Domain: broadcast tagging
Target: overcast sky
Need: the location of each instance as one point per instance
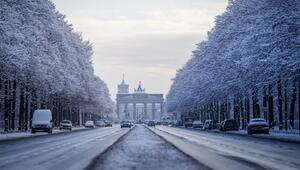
(147, 40)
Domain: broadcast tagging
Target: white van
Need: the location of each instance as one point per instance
(41, 121)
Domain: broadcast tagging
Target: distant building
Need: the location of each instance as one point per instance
(138, 105)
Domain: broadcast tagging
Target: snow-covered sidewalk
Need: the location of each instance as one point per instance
(27, 134)
(276, 135)
(284, 136)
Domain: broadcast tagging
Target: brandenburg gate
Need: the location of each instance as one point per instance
(138, 105)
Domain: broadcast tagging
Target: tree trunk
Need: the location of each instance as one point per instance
(293, 104)
(285, 106)
(271, 107)
(280, 104)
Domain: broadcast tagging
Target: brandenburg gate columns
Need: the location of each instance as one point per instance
(140, 98)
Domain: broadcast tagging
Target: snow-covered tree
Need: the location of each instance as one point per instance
(45, 64)
(249, 66)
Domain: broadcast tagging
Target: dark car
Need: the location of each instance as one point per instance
(211, 124)
(188, 122)
(229, 124)
(197, 124)
(258, 125)
(151, 123)
(126, 124)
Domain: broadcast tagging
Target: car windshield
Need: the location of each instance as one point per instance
(65, 121)
(257, 120)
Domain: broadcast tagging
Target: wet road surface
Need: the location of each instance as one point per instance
(72, 151)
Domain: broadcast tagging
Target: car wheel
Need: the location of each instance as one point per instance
(70, 129)
(33, 131)
(266, 132)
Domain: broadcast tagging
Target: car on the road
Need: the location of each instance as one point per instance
(207, 124)
(158, 122)
(229, 124)
(188, 122)
(197, 124)
(65, 124)
(151, 123)
(126, 124)
(258, 125)
(108, 123)
(131, 122)
(89, 124)
(100, 123)
(211, 124)
(42, 121)
(178, 123)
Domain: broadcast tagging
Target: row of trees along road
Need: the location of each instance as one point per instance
(249, 67)
(45, 64)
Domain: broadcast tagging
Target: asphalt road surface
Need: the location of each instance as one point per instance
(230, 152)
(141, 149)
(72, 151)
(144, 148)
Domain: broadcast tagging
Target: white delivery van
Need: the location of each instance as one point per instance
(41, 121)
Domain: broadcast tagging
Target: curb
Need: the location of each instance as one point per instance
(172, 144)
(93, 163)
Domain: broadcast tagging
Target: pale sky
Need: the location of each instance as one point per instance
(147, 40)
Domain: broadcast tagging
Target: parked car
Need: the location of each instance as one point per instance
(178, 123)
(41, 121)
(207, 124)
(131, 122)
(188, 122)
(158, 123)
(258, 125)
(151, 123)
(65, 124)
(197, 124)
(229, 124)
(125, 124)
(211, 124)
(100, 123)
(108, 123)
(89, 124)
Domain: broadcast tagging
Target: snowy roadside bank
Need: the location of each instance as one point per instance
(236, 152)
(28, 134)
(274, 135)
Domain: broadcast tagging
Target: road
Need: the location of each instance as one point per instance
(143, 150)
(72, 151)
(159, 147)
(229, 152)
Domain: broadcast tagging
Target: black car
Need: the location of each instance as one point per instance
(258, 125)
(229, 124)
(125, 124)
(151, 123)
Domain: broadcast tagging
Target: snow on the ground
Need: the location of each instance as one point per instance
(274, 134)
(142, 149)
(25, 134)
